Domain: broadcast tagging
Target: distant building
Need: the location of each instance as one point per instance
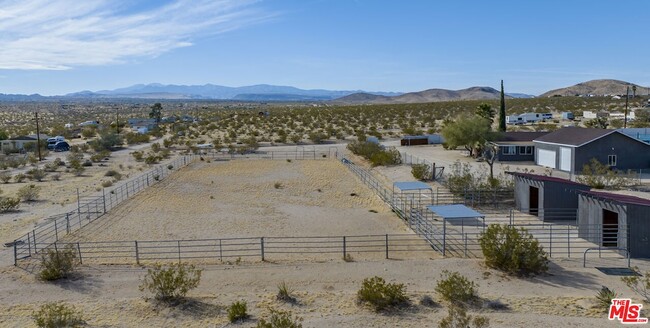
(567, 116)
(430, 139)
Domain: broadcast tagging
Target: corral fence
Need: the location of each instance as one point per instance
(557, 231)
(89, 209)
(333, 152)
(437, 171)
(256, 248)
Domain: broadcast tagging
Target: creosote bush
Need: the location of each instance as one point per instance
(57, 315)
(421, 171)
(237, 311)
(381, 295)
(29, 193)
(58, 263)
(170, 284)
(280, 319)
(457, 318)
(640, 284)
(514, 251)
(8, 204)
(375, 153)
(456, 288)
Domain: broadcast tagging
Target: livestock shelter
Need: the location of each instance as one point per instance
(415, 191)
(456, 215)
(431, 139)
(569, 149)
(614, 220)
(549, 198)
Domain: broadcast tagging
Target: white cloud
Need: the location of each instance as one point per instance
(62, 34)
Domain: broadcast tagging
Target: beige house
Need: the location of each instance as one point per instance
(18, 143)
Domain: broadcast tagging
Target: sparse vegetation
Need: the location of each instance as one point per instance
(456, 289)
(639, 283)
(604, 298)
(421, 171)
(29, 193)
(280, 319)
(171, 283)
(58, 263)
(237, 311)
(375, 153)
(600, 176)
(381, 295)
(285, 293)
(512, 250)
(57, 315)
(457, 318)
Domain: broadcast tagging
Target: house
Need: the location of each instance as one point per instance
(142, 125)
(430, 139)
(615, 220)
(549, 198)
(592, 115)
(567, 116)
(570, 148)
(516, 146)
(17, 144)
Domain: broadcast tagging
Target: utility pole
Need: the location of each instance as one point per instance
(117, 119)
(627, 99)
(38, 137)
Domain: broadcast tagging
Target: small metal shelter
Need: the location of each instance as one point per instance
(454, 212)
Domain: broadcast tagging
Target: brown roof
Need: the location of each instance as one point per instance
(574, 136)
(538, 177)
(520, 136)
(625, 199)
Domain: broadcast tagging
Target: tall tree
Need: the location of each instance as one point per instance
(470, 132)
(502, 111)
(156, 112)
(634, 91)
(487, 112)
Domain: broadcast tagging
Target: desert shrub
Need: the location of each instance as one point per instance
(106, 141)
(106, 184)
(285, 293)
(457, 318)
(133, 138)
(87, 163)
(97, 157)
(237, 311)
(421, 171)
(55, 177)
(171, 283)
(277, 185)
(114, 174)
(599, 176)
(427, 301)
(5, 177)
(170, 167)
(152, 159)
(138, 156)
(604, 297)
(77, 168)
(58, 264)
(155, 147)
(512, 250)
(640, 284)
(56, 315)
(29, 193)
(51, 167)
(36, 174)
(381, 295)
(280, 319)
(8, 204)
(456, 288)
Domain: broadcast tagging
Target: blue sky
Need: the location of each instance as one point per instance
(60, 46)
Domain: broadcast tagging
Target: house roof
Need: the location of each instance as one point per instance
(23, 138)
(538, 177)
(520, 136)
(620, 198)
(574, 136)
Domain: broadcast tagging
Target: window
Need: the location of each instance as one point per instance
(611, 160)
(526, 150)
(509, 150)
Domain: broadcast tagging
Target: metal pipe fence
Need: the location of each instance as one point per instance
(255, 248)
(89, 209)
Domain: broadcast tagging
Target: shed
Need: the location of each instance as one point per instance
(615, 220)
(430, 139)
(549, 198)
(569, 149)
(455, 214)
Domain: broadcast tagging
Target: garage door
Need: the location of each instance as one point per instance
(546, 158)
(565, 159)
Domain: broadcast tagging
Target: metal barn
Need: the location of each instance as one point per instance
(615, 221)
(549, 198)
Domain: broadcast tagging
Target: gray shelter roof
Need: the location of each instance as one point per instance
(412, 185)
(454, 211)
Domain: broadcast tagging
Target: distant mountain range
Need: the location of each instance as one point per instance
(597, 88)
(265, 92)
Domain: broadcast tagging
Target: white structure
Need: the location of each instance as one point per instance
(527, 118)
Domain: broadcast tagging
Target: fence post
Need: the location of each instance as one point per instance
(465, 235)
(220, 251)
(29, 244)
(262, 247)
(67, 223)
(15, 254)
(34, 239)
(56, 232)
(104, 198)
(79, 251)
(386, 246)
(137, 254)
(179, 252)
(344, 250)
(550, 242)
(568, 239)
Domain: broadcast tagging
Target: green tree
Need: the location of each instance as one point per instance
(487, 112)
(106, 141)
(468, 132)
(597, 123)
(502, 110)
(156, 112)
(3, 135)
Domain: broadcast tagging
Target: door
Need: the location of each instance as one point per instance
(565, 159)
(610, 228)
(546, 158)
(533, 201)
